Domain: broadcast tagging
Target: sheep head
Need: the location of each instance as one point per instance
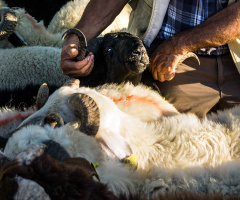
(119, 57)
(125, 57)
(70, 104)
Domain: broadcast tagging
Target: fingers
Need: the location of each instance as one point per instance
(77, 69)
(164, 71)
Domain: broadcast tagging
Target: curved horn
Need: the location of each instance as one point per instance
(84, 107)
(42, 96)
(8, 22)
(189, 55)
(82, 47)
(54, 120)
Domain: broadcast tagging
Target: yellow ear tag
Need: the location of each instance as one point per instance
(95, 165)
(131, 160)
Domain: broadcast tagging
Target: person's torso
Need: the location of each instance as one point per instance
(184, 14)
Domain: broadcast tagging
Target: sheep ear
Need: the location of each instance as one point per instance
(84, 107)
(116, 144)
(72, 83)
(42, 96)
(54, 120)
(8, 22)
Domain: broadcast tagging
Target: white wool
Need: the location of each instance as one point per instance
(35, 71)
(35, 33)
(28, 189)
(24, 138)
(10, 119)
(176, 153)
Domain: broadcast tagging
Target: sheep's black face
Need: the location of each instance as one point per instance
(125, 57)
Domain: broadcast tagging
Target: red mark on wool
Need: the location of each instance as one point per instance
(17, 117)
(135, 98)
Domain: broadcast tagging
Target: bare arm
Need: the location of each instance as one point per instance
(219, 29)
(98, 15)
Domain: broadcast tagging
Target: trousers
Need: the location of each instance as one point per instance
(211, 86)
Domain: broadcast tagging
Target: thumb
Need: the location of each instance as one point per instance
(73, 52)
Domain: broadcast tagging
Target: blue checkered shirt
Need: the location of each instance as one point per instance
(184, 14)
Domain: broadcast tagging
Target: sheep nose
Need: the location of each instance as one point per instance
(140, 53)
(143, 57)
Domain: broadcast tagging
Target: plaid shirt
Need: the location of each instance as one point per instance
(184, 14)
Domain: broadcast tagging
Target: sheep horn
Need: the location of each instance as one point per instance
(54, 120)
(42, 96)
(189, 55)
(8, 22)
(72, 83)
(84, 107)
(82, 47)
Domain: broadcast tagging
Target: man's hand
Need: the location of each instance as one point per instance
(69, 65)
(164, 60)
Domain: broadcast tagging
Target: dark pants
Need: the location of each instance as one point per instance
(212, 86)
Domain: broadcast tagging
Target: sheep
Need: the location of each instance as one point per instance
(38, 34)
(37, 175)
(113, 63)
(59, 16)
(25, 30)
(21, 75)
(176, 152)
(29, 179)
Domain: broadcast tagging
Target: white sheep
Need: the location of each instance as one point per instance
(23, 70)
(176, 152)
(35, 33)
(28, 29)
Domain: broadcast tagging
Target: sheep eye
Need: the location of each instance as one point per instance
(110, 49)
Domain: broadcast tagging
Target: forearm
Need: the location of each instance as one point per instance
(218, 30)
(98, 15)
